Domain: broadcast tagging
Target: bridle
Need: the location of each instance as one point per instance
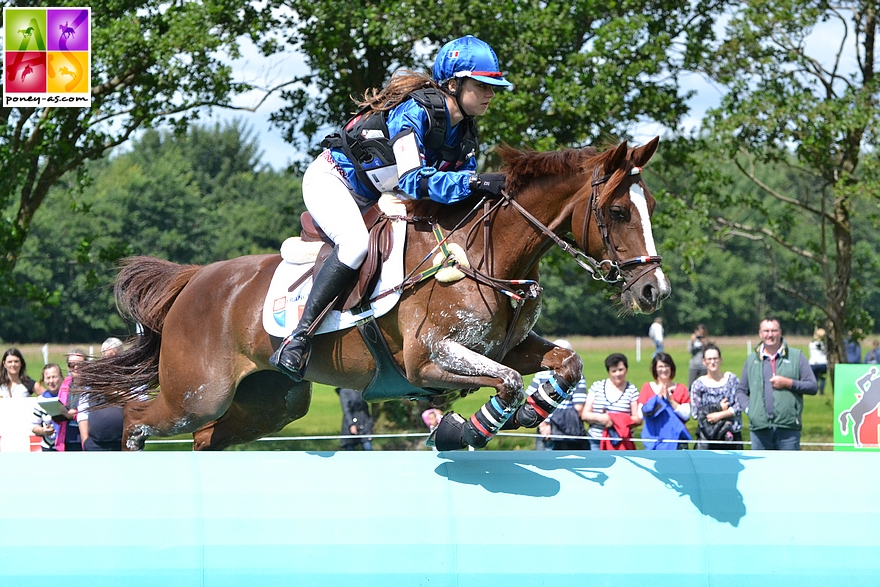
(606, 270)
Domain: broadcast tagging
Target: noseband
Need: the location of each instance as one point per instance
(606, 270)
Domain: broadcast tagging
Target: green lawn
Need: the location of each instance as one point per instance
(325, 415)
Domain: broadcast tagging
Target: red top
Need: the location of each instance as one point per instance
(679, 394)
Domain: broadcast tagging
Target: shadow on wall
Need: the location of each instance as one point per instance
(709, 479)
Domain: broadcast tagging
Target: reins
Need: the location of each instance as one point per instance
(605, 270)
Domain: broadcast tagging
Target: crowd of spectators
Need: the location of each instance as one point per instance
(604, 416)
(770, 389)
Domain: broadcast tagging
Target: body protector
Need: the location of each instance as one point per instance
(380, 160)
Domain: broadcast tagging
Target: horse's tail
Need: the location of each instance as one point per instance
(145, 289)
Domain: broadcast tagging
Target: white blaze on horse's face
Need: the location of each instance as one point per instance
(637, 197)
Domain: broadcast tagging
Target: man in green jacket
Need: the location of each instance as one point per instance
(774, 380)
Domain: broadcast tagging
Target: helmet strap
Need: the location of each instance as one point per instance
(459, 82)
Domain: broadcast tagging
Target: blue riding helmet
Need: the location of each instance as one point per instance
(468, 57)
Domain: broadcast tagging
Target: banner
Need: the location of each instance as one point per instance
(47, 57)
(857, 407)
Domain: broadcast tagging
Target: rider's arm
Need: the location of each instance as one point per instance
(446, 187)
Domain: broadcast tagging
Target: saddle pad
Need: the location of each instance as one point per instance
(282, 309)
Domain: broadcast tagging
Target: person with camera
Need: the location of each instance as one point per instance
(357, 423)
(715, 407)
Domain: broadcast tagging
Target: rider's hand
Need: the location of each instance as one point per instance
(489, 185)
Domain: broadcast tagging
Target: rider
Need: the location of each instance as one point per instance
(417, 138)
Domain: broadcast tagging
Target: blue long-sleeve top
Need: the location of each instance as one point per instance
(446, 184)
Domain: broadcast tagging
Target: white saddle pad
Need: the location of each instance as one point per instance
(282, 309)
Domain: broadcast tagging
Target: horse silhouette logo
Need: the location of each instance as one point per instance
(26, 33)
(866, 403)
(66, 31)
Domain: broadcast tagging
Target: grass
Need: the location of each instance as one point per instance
(325, 416)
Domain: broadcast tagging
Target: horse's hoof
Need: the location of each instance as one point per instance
(448, 433)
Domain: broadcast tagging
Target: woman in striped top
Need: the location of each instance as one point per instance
(614, 394)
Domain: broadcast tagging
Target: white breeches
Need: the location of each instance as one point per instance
(329, 197)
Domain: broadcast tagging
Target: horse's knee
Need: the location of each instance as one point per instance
(571, 369)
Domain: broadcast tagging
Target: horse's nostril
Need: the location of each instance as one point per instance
(649, 294)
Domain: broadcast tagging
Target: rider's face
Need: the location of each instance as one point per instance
(475, 97)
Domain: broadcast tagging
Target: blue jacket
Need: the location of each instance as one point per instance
(446, 186)
(661, 422)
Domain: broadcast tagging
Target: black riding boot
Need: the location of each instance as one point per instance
(293, 354)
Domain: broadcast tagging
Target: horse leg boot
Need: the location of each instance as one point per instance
(454, 432)
(293, 354)
(540, 404)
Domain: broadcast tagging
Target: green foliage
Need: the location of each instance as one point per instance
(582, 70)
(194, 198)
(152, 62)
(788, 156)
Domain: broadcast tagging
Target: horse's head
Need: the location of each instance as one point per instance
(611, 220)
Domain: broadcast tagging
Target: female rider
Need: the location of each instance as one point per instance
(415, 137)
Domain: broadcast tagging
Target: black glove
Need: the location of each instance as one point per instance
(488, 184)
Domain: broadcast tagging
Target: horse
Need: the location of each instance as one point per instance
(204, 349)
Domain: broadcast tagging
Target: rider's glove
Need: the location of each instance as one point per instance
(489, 185)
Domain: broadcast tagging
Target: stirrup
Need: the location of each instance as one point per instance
(290, 367)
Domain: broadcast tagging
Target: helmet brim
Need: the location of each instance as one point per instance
(492, 81)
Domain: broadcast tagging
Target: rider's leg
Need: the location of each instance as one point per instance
(328, 196)
(291, 356)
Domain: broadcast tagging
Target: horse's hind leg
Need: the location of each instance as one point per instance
(184, 404)
(265, 402)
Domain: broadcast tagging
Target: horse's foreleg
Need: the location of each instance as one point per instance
(455, 365)
(534, 354)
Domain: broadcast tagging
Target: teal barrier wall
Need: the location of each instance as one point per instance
(488, 518)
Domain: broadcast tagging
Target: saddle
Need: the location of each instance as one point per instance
(378, 251)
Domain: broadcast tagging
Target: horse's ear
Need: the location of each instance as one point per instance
(643, 154)
(616, 159)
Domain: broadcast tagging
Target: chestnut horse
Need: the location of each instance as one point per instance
(205, 350)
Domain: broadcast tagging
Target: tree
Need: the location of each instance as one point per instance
(193, 198)
(807, 110)
(152, 62)
(582, 70)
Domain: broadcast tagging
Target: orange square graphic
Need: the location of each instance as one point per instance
(68, 72)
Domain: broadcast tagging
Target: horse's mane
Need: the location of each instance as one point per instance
(522, 165)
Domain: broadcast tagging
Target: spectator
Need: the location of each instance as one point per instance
(101, 428)
(567, 419)
(14, 381)
(43, 426)
(612, 399)
(818, 359)
(68, 438)
(431, 417)
(356, 420)
(695, 348)
(655, 333)
(771, 389)
(872, 357)
(714, 405)
(853, 348)
(665, 406)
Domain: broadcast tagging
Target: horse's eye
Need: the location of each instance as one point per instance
(619, 213)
